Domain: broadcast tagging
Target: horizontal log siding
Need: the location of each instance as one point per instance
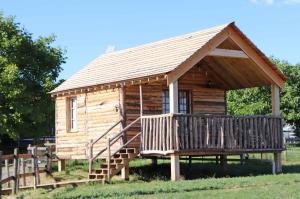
(96, 112)
(202, 99)
(181, 132)
(152, 104)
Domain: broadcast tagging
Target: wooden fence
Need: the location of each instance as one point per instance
(23, 166)
(218, 132)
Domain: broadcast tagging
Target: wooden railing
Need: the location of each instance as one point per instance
(199, 132)
(23, 167)
(111, 140)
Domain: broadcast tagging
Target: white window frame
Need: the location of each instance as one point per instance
(73, 114)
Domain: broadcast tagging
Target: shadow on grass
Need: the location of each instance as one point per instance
(208, 170)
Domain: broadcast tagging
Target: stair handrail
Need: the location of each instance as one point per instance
(111, 141)
(106, 132)
(128, 142)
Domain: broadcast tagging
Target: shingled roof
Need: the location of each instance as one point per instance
(146, 60)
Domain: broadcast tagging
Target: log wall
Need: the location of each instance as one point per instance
(96, 112)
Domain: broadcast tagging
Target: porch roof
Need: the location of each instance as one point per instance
(159, 58)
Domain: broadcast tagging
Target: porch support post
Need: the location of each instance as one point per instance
(275, 100)
(175, 168)
(173, 96)
(122, 111)
(141, 100)
(276, 112)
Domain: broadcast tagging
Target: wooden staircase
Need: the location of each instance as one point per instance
(117, 163)
(116, 160)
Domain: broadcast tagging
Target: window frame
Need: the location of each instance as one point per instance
(187, 101)
(166, 101)
(72, 114)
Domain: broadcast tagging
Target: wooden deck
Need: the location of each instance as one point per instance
(188, 134)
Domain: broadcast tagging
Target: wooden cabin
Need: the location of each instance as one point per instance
(167, 98)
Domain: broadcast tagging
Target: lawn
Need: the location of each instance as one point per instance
(204, 179)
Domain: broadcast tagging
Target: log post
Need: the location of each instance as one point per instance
(125, 170)
(90, 156)
(122, 112)
(33, 167)
(276, 112)
(223, 162)
(61, 165)
(154, 162)
(0, 173)
(277, 161)
(108, 159)
(7, 171)
(23, 163)
(15, 175)
(37, 171)
(175, 167)
(49, 160)
(173, 96)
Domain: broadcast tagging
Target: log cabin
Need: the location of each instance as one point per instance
(167, 98)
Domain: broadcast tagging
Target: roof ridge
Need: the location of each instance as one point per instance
(167, 39)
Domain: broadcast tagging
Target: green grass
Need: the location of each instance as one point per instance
(204, 179)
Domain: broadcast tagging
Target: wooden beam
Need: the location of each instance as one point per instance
(266, 69)
(228, 53)
(122, 111)
(173, 96)
(278, 164)
(141, 100)
(175, 167)
(197, 56)
(275, 100)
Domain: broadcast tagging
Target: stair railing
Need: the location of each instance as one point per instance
(110, 142)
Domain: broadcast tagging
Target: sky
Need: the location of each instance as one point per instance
(88, 28)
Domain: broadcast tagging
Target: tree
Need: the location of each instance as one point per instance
(29, 69)
(258, 100)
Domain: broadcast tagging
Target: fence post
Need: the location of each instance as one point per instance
(16, 175)
(0, 173)
(23, 163)
(33, 167)
(37, 166)
(49, 160)
(7, 171)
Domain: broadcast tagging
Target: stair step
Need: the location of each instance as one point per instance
(112, 165)
(121, 155)
(97, 176)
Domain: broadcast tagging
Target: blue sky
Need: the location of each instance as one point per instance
(86, 28)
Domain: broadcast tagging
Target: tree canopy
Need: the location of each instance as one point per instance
(258, 100)
(29, 69)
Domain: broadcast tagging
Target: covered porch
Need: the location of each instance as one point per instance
(228, 63)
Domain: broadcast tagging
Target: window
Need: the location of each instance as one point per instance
(165, 102)
(183, 102)
(73, 114)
